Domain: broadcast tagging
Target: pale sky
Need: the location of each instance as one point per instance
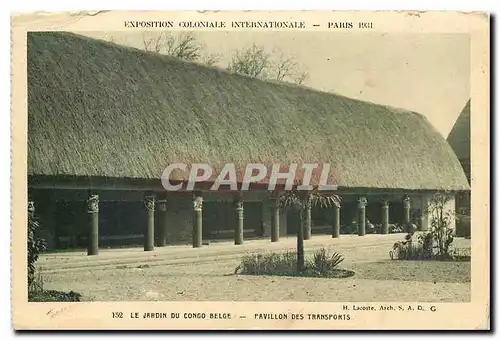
(428, 73)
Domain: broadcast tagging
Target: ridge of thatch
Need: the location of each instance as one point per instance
(459, 137)
(101, 109)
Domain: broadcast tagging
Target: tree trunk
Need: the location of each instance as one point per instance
(307, 223)
(336, 222)
(300, 243)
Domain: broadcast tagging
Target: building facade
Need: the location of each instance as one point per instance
(105, 120)
(459, 140)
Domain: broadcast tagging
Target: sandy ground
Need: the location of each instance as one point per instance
(184, 273)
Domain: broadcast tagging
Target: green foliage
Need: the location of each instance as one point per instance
(441, 221)
(352, 228)
(396, 228)
(54, 296)
(461, 254)
(35, 246)
(297, 199)
(377, 228)
(269, 264)
(301, 200)
(411, 248)
(323, 264)
(437, 242)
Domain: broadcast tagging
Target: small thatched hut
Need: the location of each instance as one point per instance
(105, 120)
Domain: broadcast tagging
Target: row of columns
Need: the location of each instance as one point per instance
(361, 218)
(150, 202)
(362, 202)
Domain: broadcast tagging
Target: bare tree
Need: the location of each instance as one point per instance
(253, 61)
(183, 46)
(109, 38)
(256, 62)
(301, 78)
(210, 59)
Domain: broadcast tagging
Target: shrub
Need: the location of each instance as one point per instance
(411, 248)
(396, 228)
(323, 262)
(35, 246)
(54, 296)
(441, 220)
(272, 263)
(436, 244)
(461, 254)
(352, 227)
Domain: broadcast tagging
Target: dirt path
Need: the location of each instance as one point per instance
(184, 273)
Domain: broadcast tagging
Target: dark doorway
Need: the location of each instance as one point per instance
(219, 220)
(292, 221)
(374, 212)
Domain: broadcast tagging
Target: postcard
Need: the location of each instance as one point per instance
(250, 170)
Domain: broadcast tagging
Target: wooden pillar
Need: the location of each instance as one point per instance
(198, 220)
(407, 213)
(336, 221)
(163, 222)
(93, 224)
(385, 217)
(238, 227)
(307, 219)
(275, 220)
(362, 216)
(149, 230)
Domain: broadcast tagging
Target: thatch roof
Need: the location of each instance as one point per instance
(101, 109)
(459, 137)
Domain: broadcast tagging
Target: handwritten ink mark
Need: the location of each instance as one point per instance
(54, 312)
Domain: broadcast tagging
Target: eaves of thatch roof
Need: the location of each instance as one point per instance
(459, 137)
(105, 110)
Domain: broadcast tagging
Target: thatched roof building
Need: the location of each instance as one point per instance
(97, 109)
(459, 138)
